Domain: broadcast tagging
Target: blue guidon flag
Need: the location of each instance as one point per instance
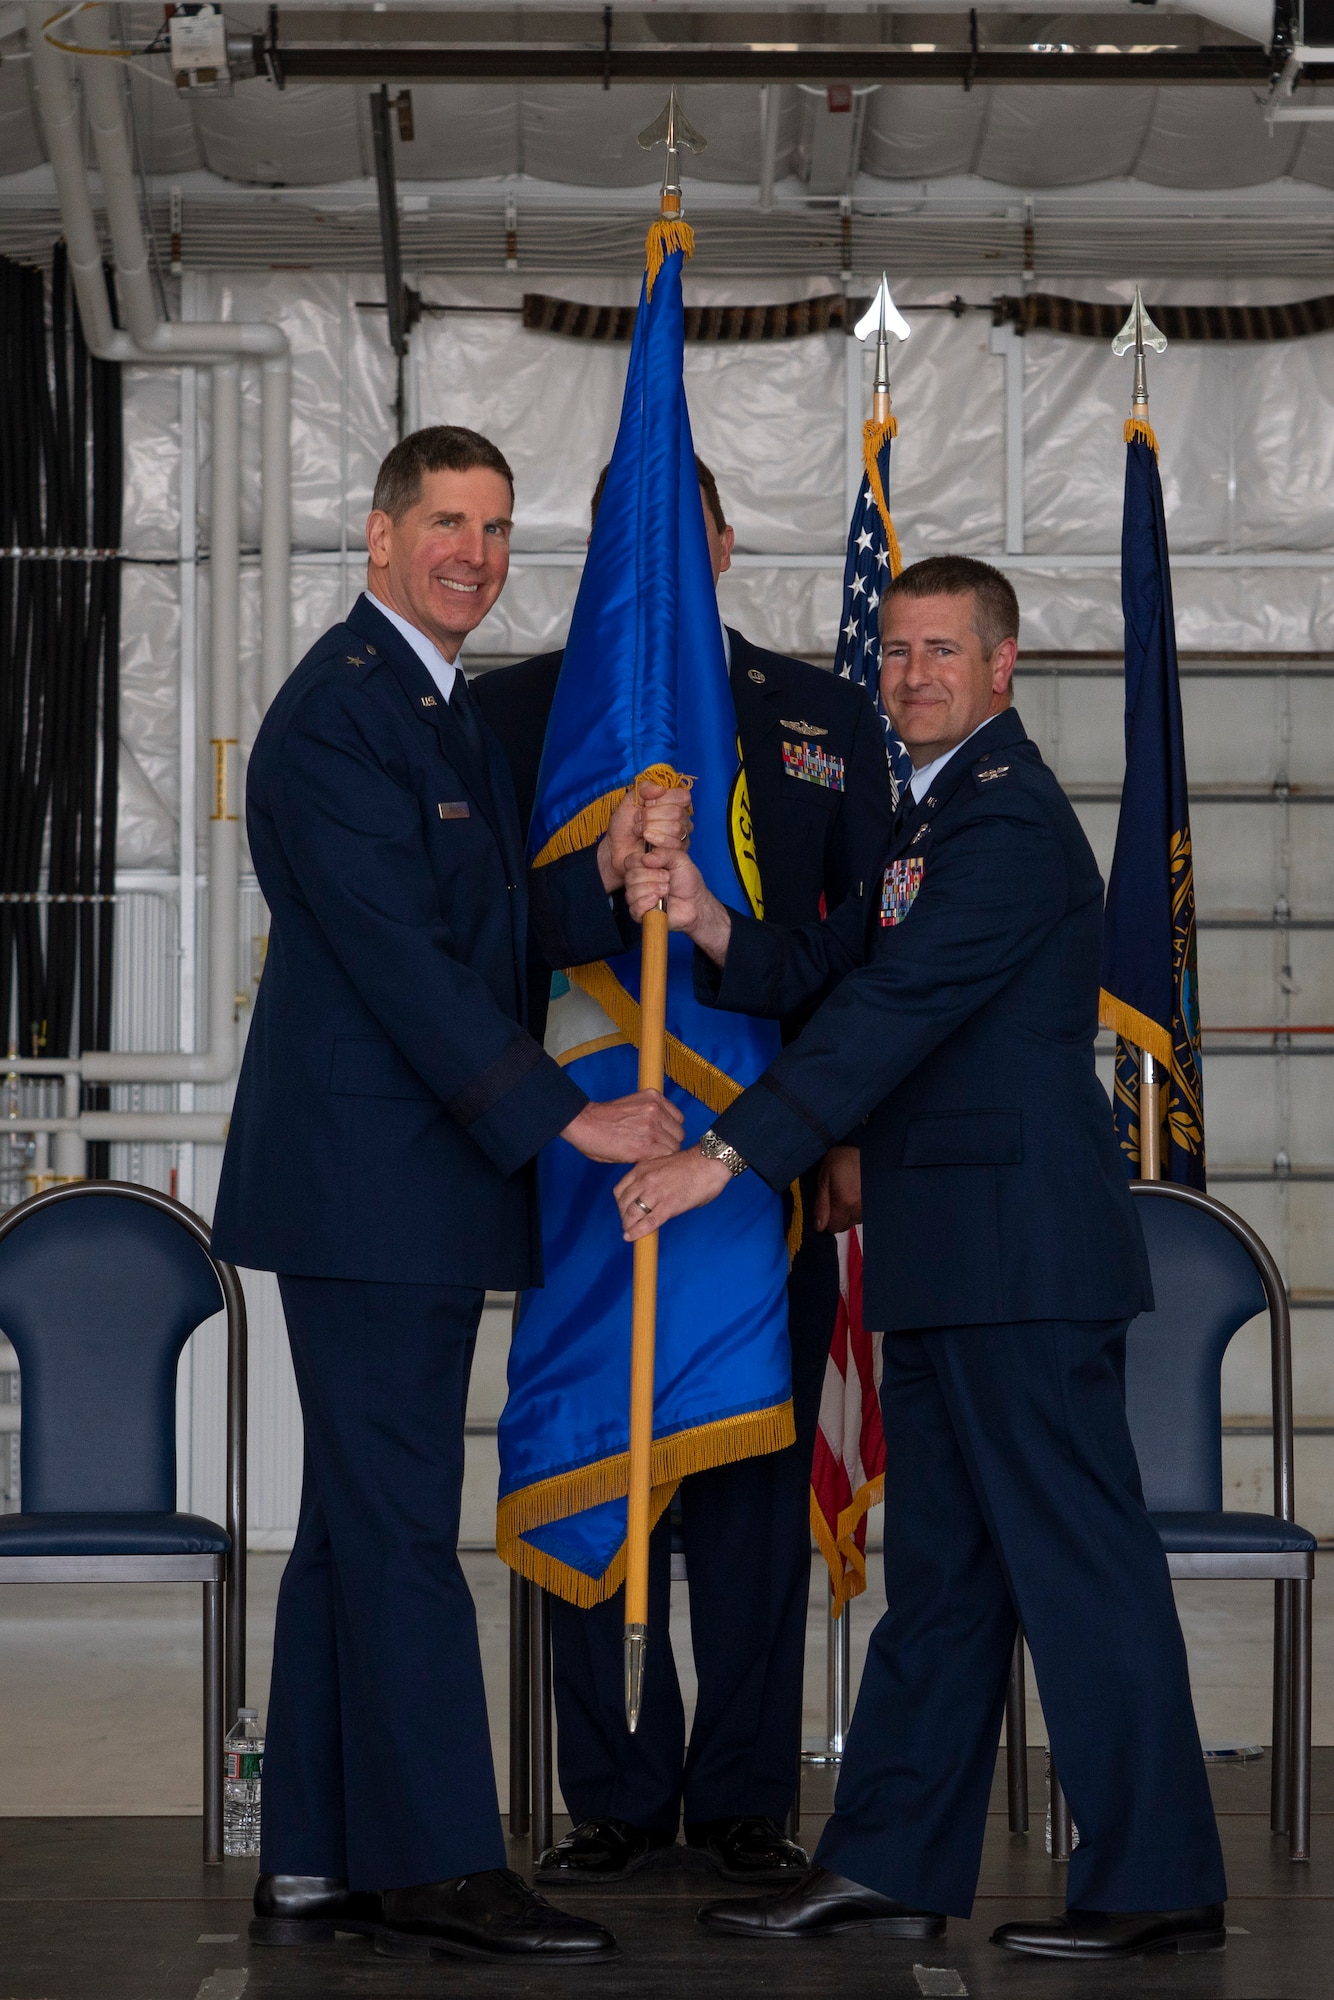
(873, 557)
(1150, 982)
(643, 692)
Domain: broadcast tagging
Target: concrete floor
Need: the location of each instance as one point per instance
(99, 1687)
(122, 1909)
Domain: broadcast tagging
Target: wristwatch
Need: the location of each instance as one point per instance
(714, 1148)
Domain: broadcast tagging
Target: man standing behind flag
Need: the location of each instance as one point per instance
(809, 815)
(1004, 1261)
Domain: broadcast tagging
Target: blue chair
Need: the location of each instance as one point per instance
(1211, 1274)
(101, 1285)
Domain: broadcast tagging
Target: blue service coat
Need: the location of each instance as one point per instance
(955, 1042)
(391, 1101)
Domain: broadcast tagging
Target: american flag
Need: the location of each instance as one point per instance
(847, 1471)
(873, 557)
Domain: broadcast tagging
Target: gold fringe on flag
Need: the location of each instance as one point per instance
(1132, 1026)
(875, 436)
(588, 826)
(674, 1459)
(1139, 430)
(663, 239)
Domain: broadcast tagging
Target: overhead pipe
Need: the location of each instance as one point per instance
(125, 1128)
(220, 346)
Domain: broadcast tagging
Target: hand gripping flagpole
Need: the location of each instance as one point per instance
(674, 129)
(1138, 333)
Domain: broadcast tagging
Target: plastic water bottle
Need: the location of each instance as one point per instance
(242, 1775)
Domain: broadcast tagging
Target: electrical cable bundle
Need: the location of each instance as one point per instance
(60, 529)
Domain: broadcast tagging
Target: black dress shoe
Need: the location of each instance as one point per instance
(601, 1850)
(817, 1906)
(491, 1915)
(1095, 1935)
(748, 1850)
(309, 1909)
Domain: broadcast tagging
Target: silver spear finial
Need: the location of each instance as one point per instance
(672, 128)
(1138, 333)
(882, 317)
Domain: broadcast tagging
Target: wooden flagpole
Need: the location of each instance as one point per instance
(1150, 1136)
(673, 130)
(643, 1335)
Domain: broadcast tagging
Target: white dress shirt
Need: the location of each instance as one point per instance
(441, 670)
(921, 781)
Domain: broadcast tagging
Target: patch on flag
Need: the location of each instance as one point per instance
(816, 766)
(898, 890)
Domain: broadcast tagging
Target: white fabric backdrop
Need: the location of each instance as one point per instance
(1247, 439)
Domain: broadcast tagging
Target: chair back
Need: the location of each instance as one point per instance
(1208, 1280)
(101, 1285)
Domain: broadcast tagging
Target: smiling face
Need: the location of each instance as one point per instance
(442, 564)
(937, 681)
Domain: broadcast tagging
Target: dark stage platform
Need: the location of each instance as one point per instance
(122, 1909)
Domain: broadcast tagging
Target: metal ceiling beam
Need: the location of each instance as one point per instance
(720, 63)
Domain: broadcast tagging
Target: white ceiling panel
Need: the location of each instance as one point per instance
(462, 132)
(304, 136)
(1214, 138)
(914, 134)
(164, 125)
(588, 137)
(1053, 135)
(1314, 157)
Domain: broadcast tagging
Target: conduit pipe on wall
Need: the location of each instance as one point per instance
(220, 346)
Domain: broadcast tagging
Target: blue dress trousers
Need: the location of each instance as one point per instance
(389, 1110)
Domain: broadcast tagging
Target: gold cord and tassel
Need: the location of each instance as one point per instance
(722, 1442)
(588, 825)
(875, 436)
(1139, 430)
(665, 237)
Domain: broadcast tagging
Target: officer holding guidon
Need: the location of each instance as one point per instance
(1004, 1261)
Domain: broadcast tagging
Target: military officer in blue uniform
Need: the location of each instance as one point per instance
(819, 813)
(1004, 1262)
(390, 1108)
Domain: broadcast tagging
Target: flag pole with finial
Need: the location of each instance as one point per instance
(882, 317)
(1138, 333)
(668, 233)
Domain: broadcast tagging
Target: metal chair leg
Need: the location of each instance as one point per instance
(213, 1724)
(1280, 1777)
(540, 1709)
(1300, 1838)
(1016, 1742)
(520, 1737)
(1060, 1820)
